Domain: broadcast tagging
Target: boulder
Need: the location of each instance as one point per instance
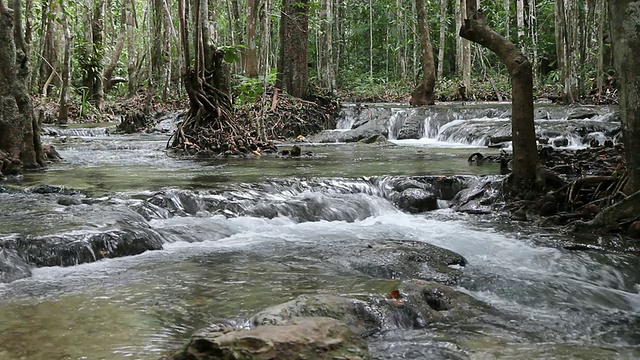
(12, 266)
(83, 247)
(412, 128)
(298, 338)
(416, 200)
(415, 305)
(395, 259)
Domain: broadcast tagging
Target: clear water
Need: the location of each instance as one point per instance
(223, 269)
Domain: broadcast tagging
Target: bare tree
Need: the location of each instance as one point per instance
(525, 154)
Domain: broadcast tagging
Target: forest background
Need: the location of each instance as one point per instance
(88, 56)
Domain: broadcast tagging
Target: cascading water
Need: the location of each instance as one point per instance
(238, 235)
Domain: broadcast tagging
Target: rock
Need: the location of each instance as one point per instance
(634, 230)
(415, 305)
(295, 150)
(519, 215)
(403, 260)
(412, 128)
(417, 200)
(582, 113)
(354, 313)
(12, 266)
(299, 338)
(85, 247)
(589, 211)
(69, 200)
(51, 152)
(560, 142)
(549, 208)
(375, 139)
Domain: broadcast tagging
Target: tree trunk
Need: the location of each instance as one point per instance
(442, 38)
(525, 154)
(208, 125)
(49, 53)
(113, 60)
(65, 98)
(423, 94)
(327, 72)
(91, 61)
(132, 69)
(293, 76)
(625, 15)
(20, 145)
(251, 56)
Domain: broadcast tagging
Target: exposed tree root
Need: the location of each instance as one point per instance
(214, 129)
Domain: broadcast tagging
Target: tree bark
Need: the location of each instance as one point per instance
(625, 29)
(293, 76)
(132, 69)
(65, 98)
(525, 154)
(20, 145)
(251, 56)
(423, 94)
(442, 38)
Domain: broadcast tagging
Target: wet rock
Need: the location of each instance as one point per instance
(299, 338)
(69, 200)
(582, 113)
(295, 150)
(12, 266)
(85, 247)
(46, 189)
(417, 200)
(479, 197)
(549, 208)
(412, 128)
(416, 305)
(375, 139)
(519, 215)
(354, 313)
(560, 142)
(634, 230)
(403, 260)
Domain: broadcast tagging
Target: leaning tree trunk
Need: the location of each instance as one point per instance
(625, 15)
(423, 93)
(20, 145)
(525, 154)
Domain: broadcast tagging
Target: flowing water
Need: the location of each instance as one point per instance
(243, 234)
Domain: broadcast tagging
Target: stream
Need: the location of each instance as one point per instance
(237, 235)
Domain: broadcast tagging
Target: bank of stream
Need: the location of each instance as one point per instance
(235, 236)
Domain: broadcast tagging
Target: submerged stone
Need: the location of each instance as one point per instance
(319, 338)
(12, 266)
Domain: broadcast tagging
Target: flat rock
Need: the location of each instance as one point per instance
(319, 338)
(12, 266)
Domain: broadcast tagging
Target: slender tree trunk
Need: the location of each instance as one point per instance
(114, 58)
(251, 56)
(520, 19)
(423, 94)
(20, 145)
(370, 39)
(132, 69)
(400, 42)
(327, 72)
(49, 53)
(602, 16)
(507, 16)
(93, 53)
(157, 45)
(293, 76)
(65, 98)
(525, 153)
(442, 38)
(625, 22)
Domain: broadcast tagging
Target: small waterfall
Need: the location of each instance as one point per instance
(79, 132)
(396, 122)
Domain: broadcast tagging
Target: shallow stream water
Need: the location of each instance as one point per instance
(223, 263)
